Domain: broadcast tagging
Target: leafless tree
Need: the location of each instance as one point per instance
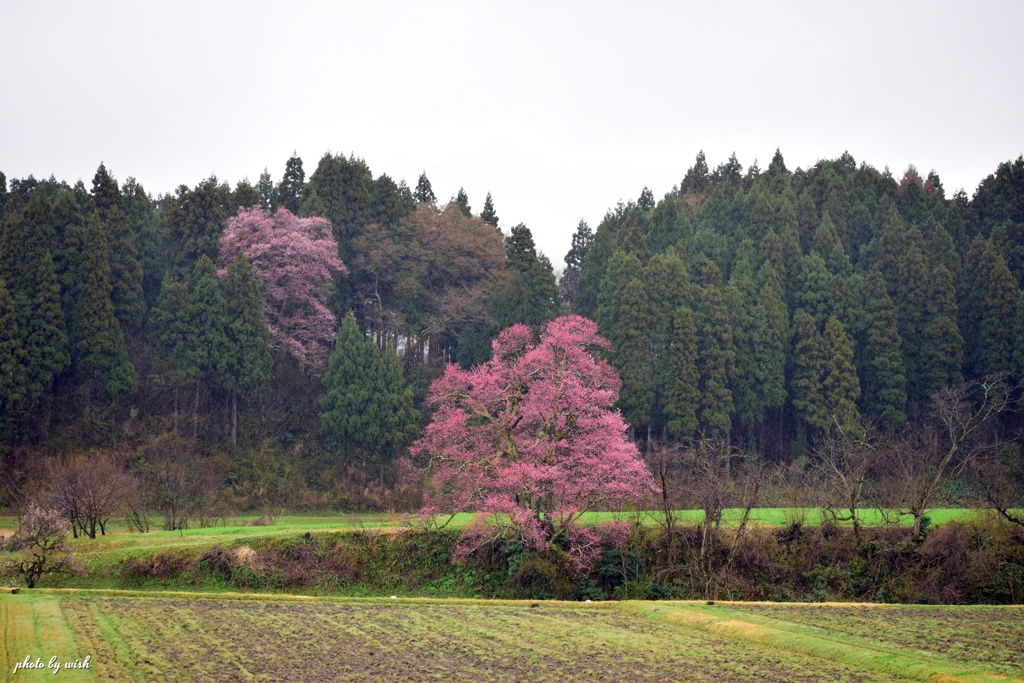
(999, 477)
(959, 432)
(89, 490)
(846, 462)
(716, 480)
(177, 482)
(664, 459)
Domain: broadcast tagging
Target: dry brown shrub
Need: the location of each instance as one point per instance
(244, 556)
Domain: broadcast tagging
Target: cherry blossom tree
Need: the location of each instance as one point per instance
(531, 440)
(294, 260)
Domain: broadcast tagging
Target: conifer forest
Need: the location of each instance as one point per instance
(273, 344)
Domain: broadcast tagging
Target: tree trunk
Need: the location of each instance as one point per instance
(195, 414)
(234, 419)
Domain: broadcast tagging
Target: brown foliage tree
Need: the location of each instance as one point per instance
(89, 490)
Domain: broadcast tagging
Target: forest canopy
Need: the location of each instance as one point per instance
(768, 308)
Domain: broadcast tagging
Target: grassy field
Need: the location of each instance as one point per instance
(139, 637)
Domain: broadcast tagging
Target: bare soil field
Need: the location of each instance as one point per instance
(134, 637)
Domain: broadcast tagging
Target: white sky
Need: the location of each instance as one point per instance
(558, 109)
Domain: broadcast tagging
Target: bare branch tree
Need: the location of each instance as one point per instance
(999, 479)
(89, 490)
(714, 483)
(664, 461)
(847, 458)
(958, 434)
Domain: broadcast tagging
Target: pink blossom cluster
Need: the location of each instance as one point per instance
(294, 260)
(531, 439)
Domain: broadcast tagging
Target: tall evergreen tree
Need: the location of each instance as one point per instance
(942, 346)
(149, 239)
(312, 205)
(891, 240)
(245, 196)
(646, 201)
(668, 288)
(424, 193)
(488, 215)
(1018, 342)
(778, 165)
(697, 179)
(632, 355)
(990, 300)
(592, 273)
(125, 270)
(212, 350)
(268, 193)
(172, 321)
(716, 355)
(807, 219)
(366, 408)
(26, 268)
(351, 200)
(194, 222)
(912, 296)
(462, 201)
(741, 296)
(884, 380)
(771, 338)
(682, 389)
(809, 365)
(759, 213)
(621, 269)
(670, 225)
(791, 255)
(813, 287)
(569, 283)
(391, 202)
(530, 296)
(941, 250)
(98, 355)
(840, 388)
(290, 191)
(247, 334)
(12, 365)
(824, 238)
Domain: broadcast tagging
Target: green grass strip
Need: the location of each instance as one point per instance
(33, 625)
(856, 653)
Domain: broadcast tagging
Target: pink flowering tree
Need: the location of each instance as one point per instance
(531, 440)
(294, 260)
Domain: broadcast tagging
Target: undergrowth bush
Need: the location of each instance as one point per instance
(974, 562)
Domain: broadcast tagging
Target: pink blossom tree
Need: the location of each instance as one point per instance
(294, 260)
(531, 440)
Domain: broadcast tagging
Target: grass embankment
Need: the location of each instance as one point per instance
(120, 542)
(361, 555)
(136, 637)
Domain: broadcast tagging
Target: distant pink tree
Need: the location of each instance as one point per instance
(294, 260)
(531, 439)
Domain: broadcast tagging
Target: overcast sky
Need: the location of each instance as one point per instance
(558, 109)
